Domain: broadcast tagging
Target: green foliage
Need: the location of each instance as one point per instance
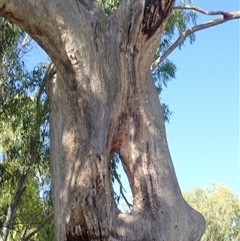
(179, 22)
(114, 164)
(109, 6)
(9, 35)
(221, 210)
(115, 160)
(24, 143)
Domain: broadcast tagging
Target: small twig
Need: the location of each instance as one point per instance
(41, 225)
(30, 222)
(121, 192)
(226, 17)
(26, 42)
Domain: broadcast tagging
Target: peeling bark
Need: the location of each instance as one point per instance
(103, 100)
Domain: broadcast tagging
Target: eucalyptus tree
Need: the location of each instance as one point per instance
(23, 141)
(103, 100)
(221, 208)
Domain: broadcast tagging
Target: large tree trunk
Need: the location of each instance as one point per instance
(103, 100)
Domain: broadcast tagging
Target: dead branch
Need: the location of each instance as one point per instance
(227, 16)
(41, 225)
(30, 222)
(121, 192)
(200, 10)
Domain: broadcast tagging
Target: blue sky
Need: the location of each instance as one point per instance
(203, 133)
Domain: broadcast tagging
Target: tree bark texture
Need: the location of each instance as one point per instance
(103, 100)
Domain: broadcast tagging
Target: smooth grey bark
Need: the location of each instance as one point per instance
(103, 100)
(12, 208)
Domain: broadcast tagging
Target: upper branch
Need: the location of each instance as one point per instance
(226, 17)
(200, 10)
(49, 21)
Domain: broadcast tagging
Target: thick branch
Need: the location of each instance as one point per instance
(46, 21)
(185, 34)
(37, 22)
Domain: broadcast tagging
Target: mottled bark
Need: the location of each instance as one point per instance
(103, 100)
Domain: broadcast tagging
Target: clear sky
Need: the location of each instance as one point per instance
(203, 133)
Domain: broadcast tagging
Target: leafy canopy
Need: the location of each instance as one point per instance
(221, 209)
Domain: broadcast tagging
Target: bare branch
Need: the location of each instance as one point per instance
(41, 225)
(121, 192)
(200, 10)
(26, 41)
(185, 34)
(30, 222)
